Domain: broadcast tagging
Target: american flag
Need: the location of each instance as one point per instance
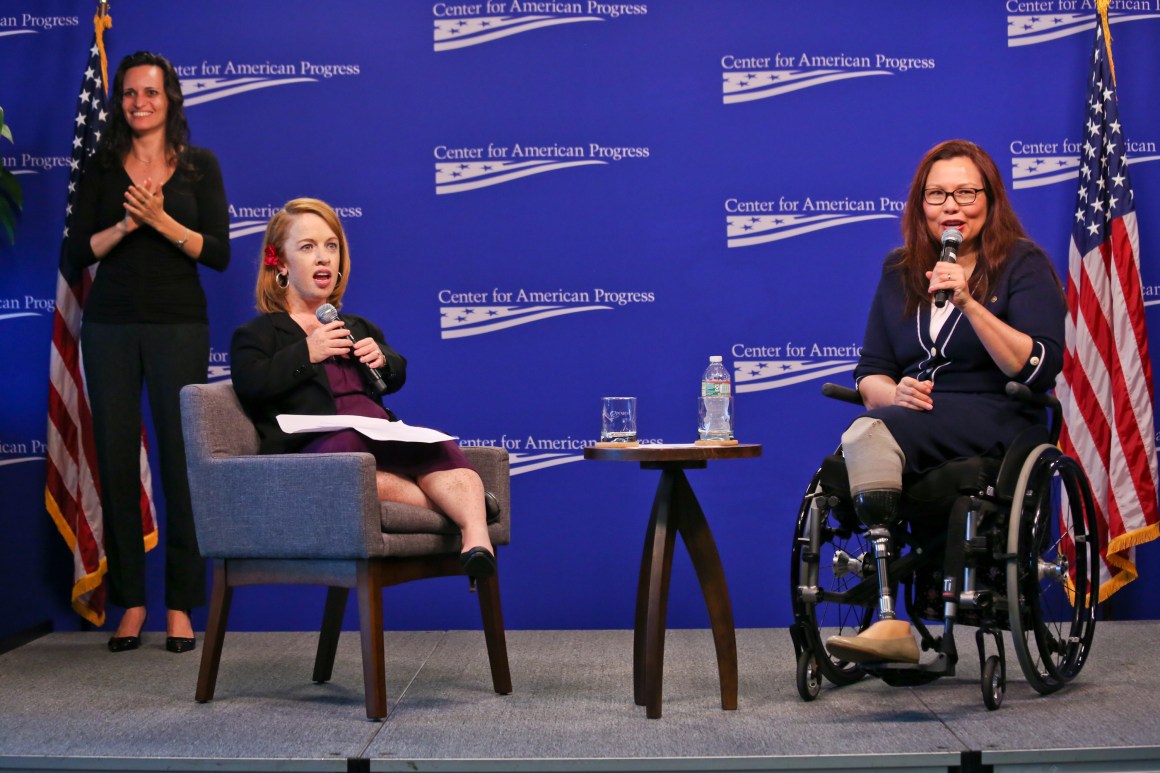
(1106, 383)
(71, 492)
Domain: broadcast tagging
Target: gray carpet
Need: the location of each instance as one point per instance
(68, 704)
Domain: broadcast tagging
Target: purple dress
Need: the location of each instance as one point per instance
(407, 459)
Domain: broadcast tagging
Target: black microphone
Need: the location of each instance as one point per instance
(952, 238)
(326, 314)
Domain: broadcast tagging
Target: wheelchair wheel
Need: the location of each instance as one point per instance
(1052, 569)
(825, 568)
(994, 683)
(809, 679)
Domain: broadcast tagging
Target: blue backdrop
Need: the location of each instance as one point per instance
(548, 202)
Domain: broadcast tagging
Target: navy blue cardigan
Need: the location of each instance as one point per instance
(972, 414)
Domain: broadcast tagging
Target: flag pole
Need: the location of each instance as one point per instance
(1102, 9)
(101, 22)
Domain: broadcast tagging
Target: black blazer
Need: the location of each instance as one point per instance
(272, 374)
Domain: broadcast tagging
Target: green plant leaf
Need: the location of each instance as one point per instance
(7, 218)
(11, 197)
(10, 188)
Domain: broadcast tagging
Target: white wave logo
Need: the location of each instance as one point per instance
(240, 228)
(459, 177)
(746, 86)
(20, 460)
(463, 321)
(17, 315)
(1043, 170)
(522, 463)
(200, 90)
(759, 375)
(451, 34)
(1027, 30)
(749, 230)
(6, 33)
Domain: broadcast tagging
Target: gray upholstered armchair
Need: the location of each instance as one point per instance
(315, 519)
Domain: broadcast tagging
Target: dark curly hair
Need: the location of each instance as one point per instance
(118, 137)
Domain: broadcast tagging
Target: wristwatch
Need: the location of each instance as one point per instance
(180, 243)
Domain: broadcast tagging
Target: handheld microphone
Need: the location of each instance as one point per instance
(952, 239)
(327, 313)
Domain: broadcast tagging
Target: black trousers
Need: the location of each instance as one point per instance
(118, 360)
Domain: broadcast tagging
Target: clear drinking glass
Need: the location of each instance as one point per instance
(618, 420)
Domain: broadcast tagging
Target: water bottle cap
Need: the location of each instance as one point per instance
(715, 358)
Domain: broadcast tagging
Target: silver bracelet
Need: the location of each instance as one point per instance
(180, 243)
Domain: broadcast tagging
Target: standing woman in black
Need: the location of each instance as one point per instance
(149, 211)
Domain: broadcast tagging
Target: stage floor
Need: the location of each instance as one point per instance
(66, 703)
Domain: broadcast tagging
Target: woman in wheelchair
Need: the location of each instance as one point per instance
(932, 376)
(289, 360)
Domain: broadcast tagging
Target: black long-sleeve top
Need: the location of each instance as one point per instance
(145, 277)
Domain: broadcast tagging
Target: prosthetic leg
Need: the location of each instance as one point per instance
(874, 463)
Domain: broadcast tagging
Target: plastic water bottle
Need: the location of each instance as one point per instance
(716, 420)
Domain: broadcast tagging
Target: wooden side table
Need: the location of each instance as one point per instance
(676, 510)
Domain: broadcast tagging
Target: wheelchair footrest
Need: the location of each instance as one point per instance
(910, 674)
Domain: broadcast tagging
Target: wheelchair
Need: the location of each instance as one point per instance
(1005, 545)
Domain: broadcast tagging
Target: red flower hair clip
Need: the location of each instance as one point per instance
(271, 256)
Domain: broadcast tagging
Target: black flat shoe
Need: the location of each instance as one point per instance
(491, 504)
(478, 562)
(180, 643)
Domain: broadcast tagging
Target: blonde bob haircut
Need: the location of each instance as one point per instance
(269, 294)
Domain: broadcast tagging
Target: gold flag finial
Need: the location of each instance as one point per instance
(1102, 8)
(101, 22)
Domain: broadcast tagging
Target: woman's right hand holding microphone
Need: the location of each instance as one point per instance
(329, 340)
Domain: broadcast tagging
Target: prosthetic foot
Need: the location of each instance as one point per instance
(887, 641)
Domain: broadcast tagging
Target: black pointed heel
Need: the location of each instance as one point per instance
(478, 562)
(127, 643)
(181, 644)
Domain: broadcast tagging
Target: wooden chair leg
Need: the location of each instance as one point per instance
(370, 616)
(493, 633)
(336, 598)
(215, 632)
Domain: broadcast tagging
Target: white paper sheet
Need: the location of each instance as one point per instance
(375, 429)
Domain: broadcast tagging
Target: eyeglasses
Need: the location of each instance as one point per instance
(936, 196)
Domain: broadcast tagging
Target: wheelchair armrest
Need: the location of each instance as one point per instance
(1024, 395)
(843, 393)
(1046, 400)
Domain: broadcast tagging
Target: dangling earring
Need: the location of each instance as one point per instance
(282, 280)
